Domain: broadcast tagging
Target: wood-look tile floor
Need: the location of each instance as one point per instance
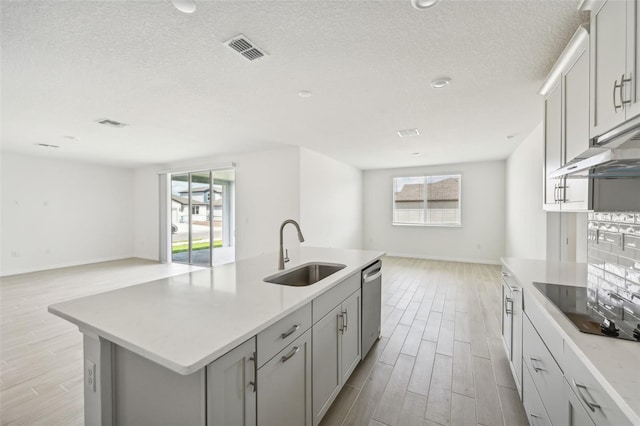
(41, 354)
(440, 360)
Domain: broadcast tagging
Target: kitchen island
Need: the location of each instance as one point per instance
(150, 349)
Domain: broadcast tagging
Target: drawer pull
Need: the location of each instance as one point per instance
(592, 405)
(345, 316)
(290, 331)
(505, 274)
(514, 288)
(288, 356)
(533, 361)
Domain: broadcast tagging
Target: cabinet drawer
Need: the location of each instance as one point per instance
(533, 406)
(543, 325)
(544, 372)
(509, 279)
(592, 396)
(276, 337)
(325, 303)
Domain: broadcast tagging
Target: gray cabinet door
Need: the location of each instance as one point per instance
(575, 87)
(231, 394)
(633, 60)
(284, 386)
(576, 414)
(351, 332)
(608, 64)
(552, 146)
(326, 337)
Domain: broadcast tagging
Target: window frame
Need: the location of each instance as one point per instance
(425, 176)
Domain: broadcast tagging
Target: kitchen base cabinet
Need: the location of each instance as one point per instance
(533, 406)
(512, 315)
(575, 412)
(231, 390)
(326, 362)
(284, 386)
(336, 352)
(351, 329)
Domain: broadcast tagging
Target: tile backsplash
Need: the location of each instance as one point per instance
(614, 267)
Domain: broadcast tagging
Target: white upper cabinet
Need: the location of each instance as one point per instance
(615, 94)
(566, 115)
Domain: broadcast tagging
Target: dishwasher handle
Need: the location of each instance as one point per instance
(372, 276)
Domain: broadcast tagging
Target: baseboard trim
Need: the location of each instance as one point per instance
(446, 259)
(63, 265)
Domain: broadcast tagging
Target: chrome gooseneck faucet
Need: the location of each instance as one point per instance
(283, 259)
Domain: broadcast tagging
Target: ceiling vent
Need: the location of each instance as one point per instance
(245, 47)
(111, 123)
(408, 132)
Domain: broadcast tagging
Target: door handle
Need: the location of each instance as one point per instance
(290, 355)
(616, 107)
(508, 300)
(254, 382)
(592, 405)
(622, 82)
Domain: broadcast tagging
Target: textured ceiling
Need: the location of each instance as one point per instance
(184, 94)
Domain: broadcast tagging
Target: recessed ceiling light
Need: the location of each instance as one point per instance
(416, 154)
(184, 6)
(305, 93)
(424, 4)
(509, 137)
(439, 83)
(408, 132)
(46, 145)
(71, 138)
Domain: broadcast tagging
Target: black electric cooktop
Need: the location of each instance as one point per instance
(592, 311)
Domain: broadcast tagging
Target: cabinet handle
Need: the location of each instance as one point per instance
(254, 382)
(345, 315)
(341, 322)
(290, 331)
(508, 300)
(533, 361)
(513, 288)
(592, 405)
(505, 274)
(616, 107)
(622, 82)
(288, 356)
(534, 417)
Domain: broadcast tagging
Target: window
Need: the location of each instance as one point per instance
(195, 209)
(427, 200)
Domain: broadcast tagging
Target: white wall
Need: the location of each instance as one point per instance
(267, 193)
(482, 235)
(58, 213)
(330, 201)
(526, 222)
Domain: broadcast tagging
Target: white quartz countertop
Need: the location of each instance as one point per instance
(614, 363)
(187, 321)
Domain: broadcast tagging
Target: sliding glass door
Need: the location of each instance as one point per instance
(202, 227)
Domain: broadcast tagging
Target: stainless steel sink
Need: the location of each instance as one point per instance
(303, 275)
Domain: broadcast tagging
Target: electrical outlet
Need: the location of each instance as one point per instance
(90, 374)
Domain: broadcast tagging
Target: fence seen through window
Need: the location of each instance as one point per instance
(427, 200)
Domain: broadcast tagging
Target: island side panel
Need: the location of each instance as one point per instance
(98, 406)
(148, 393)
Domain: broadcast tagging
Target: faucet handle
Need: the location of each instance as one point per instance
(286, 255)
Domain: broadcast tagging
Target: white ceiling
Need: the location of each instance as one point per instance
(185, 95)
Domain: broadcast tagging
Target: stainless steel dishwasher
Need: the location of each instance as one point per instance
(371, 305)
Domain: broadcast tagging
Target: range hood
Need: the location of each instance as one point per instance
(615, 154)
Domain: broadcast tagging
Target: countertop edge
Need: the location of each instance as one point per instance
(229, 345)
(629, 412)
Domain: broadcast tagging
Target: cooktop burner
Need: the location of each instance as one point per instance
(592, 313)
